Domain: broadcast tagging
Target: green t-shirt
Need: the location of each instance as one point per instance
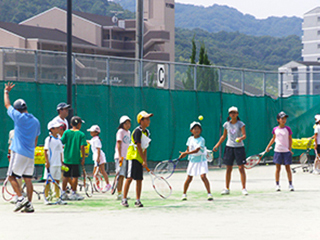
(73, 140)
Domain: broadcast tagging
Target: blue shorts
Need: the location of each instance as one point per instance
(283, 158)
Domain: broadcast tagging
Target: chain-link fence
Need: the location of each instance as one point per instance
(50, 67)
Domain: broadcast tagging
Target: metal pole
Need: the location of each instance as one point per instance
(69, 56)
(169, 77)
(108, 71)
(36, 65)
(242, 81)
(195, 78)
(220, 80)
(264, 84)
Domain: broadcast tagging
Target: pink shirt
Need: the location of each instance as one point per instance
(124, 137)
(282, 138)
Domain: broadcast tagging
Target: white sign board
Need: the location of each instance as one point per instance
(161, 75)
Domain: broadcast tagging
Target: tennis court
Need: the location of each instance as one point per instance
(264, 214)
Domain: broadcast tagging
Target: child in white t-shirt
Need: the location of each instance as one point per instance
(53, 153)
(98, 156)
(198, 164)
(282, 136)
(122, 144)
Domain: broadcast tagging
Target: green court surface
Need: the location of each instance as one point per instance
(264, 214)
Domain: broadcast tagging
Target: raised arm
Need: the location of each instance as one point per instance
(8, 87)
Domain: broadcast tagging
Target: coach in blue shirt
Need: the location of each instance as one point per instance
(26, 132)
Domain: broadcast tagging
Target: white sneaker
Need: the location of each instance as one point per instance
(65, 196)
(20, 204)
(225, 191)
(119, 197)
(60, 202)
(184, 197)
(278, 188)
(291, 188)
(209, 198)
(106, 188)
(245, 192)
(14, 199)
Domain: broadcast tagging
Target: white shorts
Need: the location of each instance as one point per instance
(20, 166)
(102, 159)
(123, 169)
(197, 168)
(55, 172)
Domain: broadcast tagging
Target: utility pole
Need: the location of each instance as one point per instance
(139, 42)
(69, 57)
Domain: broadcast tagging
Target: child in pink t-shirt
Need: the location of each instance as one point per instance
(282, 135)
(122, 144)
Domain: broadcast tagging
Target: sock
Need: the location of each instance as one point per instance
(277, 182)
(124, 199)
(20, 198)
(290, 182)
(138, 200)
(73, 192)
(119, 193)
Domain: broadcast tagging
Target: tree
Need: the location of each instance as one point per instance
(189, 82)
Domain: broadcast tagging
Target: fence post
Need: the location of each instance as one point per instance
(108, 70)
(36, 65)
(264, 84)
(140, 73)
(169, 76)
(220, 79)
(73, 68)
(195, 77)
(242, 81)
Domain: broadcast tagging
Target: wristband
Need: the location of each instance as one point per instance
(6, 91)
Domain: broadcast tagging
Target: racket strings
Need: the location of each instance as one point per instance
(162, 187)
(52, 192)
(303, 158)
(164, 169)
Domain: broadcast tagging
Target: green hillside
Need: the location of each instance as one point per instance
(239, 50)
(218, 18)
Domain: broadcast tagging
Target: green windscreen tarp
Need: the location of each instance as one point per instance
(173, 112)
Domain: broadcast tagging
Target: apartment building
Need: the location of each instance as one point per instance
(311, 35)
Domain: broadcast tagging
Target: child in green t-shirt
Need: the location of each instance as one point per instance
(74, 141)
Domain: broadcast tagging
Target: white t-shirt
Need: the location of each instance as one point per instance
(124, 137)
(11, 135)
(55, 149)
(95, 143)
(60, 120)
(317, 130)
(193, 144)
(282, 138)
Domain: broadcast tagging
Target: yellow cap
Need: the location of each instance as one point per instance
(143, 114)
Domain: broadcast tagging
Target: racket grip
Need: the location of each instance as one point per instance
(121, 161)
(148, 170)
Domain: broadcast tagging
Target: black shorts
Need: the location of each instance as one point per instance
(135, 170)
(74, 170)
(318, 149)
(234, 153)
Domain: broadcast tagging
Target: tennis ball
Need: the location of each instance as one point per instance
(267, 164)
(63, 168)
(237, 140)
(66, 169)
(200, 117)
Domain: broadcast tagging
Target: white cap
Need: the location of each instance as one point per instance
(194, 124)
(94, 128)
(233, 109)
(123, 119)
(317, 117)
(53, 124)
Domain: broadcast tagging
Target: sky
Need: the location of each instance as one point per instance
(263, 8)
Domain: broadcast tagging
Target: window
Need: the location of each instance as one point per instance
(318, 32)
(318, 19)
(318, 46)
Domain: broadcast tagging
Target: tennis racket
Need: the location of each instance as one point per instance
(160, 185)
(316, 164)
(52, 190)
(166, 168)
(209, 156)
(254, 160)
(303, 158)
(98, 182)
(116, 178)
(7, 190)
(86, 184)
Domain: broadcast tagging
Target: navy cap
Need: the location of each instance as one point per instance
(75, 120)
(282, 115)
(20, 105)
(62, 105)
